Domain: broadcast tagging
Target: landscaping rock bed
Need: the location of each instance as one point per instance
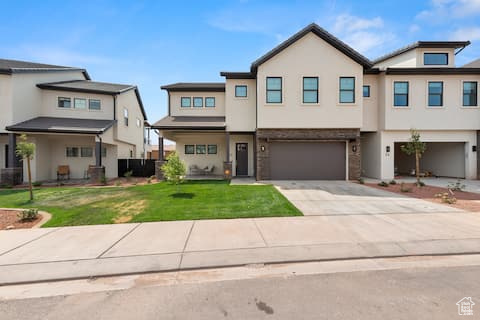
(9, 220)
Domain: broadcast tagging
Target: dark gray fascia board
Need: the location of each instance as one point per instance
(238, 75)
(429, 71)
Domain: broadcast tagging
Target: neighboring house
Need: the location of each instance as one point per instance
(152, 153)
(314, 108)
(72, 120)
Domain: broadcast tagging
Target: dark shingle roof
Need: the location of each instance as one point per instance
(8, 66)
(62, 125)
(195, 86)
(189, 122)
(473, 64)
(323, 34)
(87, 86)
(423, 44)
(94, 87)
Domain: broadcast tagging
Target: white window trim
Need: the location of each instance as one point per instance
(407, 107)
(427, 106)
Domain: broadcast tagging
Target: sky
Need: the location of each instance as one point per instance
(153, 43)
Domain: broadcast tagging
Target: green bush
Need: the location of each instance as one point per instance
(37, 183)
(383, 184)
(28, 215)
(393, 182)
(103, 179)
(174, 169)
(128, 175)
(361, 181)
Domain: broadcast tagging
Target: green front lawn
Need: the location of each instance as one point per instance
(156, 202)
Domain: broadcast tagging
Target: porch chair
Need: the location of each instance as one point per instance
(208, 170)
(195, 170)
(63, 171)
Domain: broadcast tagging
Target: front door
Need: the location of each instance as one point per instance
(242, 159)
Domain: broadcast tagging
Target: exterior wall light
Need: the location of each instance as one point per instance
(388, 148)
(262, 148)
(354, 148)
(474, 148)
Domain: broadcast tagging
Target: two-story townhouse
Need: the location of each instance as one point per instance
(72, 120)
(314, 108)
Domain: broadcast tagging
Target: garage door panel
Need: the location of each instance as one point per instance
(307, 160)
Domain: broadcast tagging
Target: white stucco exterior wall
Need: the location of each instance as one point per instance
(241, 112)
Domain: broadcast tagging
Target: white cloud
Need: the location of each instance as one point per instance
(349, 23)
(362, 34)
(467, 33)
(441, 9)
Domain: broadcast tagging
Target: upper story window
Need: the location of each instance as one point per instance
(274, 90)
(79, 103)
(347, 90)
(241, 91)
(400, 94)
(125, 116)
(186, 102)
(366, 91)
(310, 89)
(438, 58)
(94, 104)
(198, 102)
(470, 94)
(210, 102)
(64, 102)
(435, 94)
(139, 123)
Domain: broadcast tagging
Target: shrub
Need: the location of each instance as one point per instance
(361, 180)
(404, 188)
(118, 183)
(383, 184)
(456, 186)
(37, 184)
(28, 215)
(446, 197)
(174, 169)
(149, 180)
(103, 179)
(393, 182)
(128, 175)
(420, 184)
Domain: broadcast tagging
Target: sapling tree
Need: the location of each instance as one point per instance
(415, 147)
(26, 150)
(174, 169)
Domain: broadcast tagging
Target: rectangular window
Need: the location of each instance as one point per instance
(139, 123)
(241, 91)
(200, 149)
(198, 102)
(435, 59)
(104, 152)
(435, 94)
(400, 94)
(310, 89)
(274, 90)
(186, 102)
(125, 116)
(470, 93)
(80, 103)
(210, 102)
(64, 102)
(212, 149)
(72, 152)
(347, 90)
(94, 104)
(366, 91)
(189, 149)
(86, 152)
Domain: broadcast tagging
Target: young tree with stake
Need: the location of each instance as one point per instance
(417, 147)
(26, 150)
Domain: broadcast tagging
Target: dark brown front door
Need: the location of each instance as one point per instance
(242, 159)
(307, 160)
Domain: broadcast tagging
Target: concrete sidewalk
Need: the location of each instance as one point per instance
(88, 251)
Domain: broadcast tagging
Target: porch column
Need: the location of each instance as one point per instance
(12, 174)
(161, 158)
(227, 165)
(98, 153)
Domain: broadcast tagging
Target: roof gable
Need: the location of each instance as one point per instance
(321, 33)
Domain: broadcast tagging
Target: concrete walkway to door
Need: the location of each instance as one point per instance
(348, 198)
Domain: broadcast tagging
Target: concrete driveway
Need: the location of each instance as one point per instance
(348, 198)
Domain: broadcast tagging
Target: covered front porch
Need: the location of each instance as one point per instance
(61, 152)
(207, 149)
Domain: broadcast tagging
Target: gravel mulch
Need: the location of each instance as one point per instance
(10, 218)
(468, 201)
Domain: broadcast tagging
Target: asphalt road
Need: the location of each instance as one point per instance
(413, 293)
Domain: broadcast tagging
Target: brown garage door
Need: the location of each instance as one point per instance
(307, 160)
